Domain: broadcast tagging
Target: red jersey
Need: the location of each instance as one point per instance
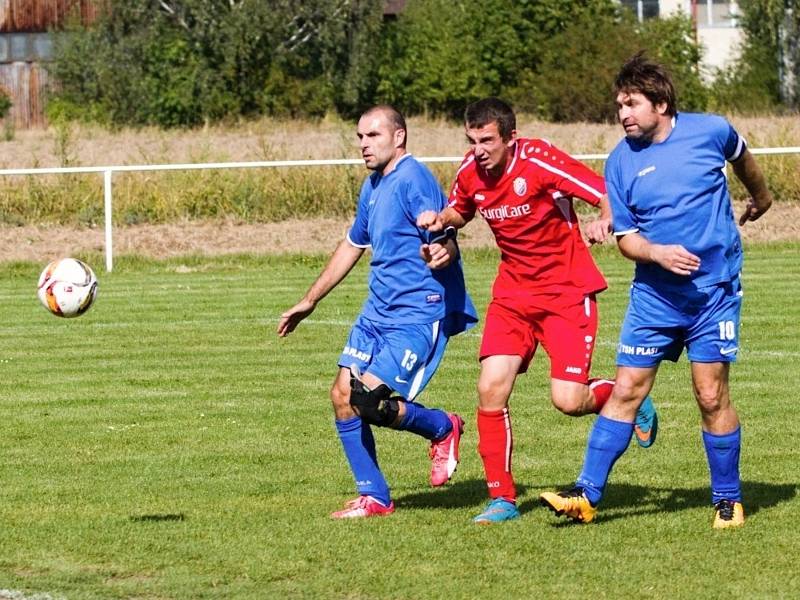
(529, 210)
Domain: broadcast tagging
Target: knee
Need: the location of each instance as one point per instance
(340, 399)
(492, 395)
(569, 404)
(376, 407)
(711, 397)
(626, 391)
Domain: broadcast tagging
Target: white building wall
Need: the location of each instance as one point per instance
(720, 37)
(721, 46)
(667, 7)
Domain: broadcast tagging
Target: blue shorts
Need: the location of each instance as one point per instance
(404, 357)
(659, 324)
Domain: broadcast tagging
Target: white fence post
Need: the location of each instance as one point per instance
(107, 207)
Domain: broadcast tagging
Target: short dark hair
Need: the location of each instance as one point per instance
(394, 116)
(639, 75)
(491, 110)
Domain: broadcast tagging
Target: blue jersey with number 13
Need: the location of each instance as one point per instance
(402, 289)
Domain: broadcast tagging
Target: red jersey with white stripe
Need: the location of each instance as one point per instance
(529, 210)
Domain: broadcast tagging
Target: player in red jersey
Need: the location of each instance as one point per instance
(546, 283)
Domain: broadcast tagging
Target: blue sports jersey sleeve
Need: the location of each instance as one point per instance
(734, 145)
(359, 230)
(425, 195)
(731, 145)
(622, 217)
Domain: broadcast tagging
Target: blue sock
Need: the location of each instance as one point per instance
(430, 423)
(359, 448)
(607, 442)
(723, 462)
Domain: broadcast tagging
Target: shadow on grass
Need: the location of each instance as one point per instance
(623, 500)
(457, 494)
(157, 518)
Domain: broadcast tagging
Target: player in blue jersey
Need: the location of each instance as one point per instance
(672, 215)
(416, 301)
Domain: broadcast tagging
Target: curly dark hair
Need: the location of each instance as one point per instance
(652, 80)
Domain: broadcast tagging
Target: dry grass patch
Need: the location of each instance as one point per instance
(315, 236)
(272, 195)
(270, 139)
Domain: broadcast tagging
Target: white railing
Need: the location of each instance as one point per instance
(108, 171)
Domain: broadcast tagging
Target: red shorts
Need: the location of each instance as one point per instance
(567, 333)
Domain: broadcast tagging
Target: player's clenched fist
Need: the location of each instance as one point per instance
(430, 220)
(437, 256)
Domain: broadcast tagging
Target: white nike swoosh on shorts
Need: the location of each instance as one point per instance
(727, 351)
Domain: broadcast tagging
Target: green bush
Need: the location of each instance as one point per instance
(573, 82)
(671, 41)
(574, 79)
(182, 63)
(185, 63)
(5, 103)
(443, 54)
(749, 86)
(752, 84)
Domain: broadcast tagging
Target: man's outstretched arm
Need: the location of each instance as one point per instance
(341, 262)
(749, 173)
(433, 221)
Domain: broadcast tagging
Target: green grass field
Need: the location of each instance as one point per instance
(168, 445)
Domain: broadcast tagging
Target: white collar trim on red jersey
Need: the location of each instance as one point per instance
(513, 160)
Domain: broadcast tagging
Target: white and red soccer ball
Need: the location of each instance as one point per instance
(67, 287)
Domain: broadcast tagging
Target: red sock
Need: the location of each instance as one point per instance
(495, 444)
(601, 390)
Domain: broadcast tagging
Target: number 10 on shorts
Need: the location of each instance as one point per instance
(727, 330)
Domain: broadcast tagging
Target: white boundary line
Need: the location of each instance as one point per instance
(109, 170)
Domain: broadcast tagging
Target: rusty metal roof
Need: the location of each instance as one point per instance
(43, 15)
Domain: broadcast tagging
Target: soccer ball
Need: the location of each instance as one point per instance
(67, 287)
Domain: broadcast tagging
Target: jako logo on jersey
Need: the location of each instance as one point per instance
(430, 298)
(574, 370)
(356, 353)
(520, 186)
(505, 212)
(479, 197)
(646, 170)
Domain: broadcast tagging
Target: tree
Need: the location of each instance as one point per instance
(768, 69)
(5, 102)
(183, 62)
(445, 53)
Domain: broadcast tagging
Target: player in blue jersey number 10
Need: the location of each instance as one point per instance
(672, 216)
